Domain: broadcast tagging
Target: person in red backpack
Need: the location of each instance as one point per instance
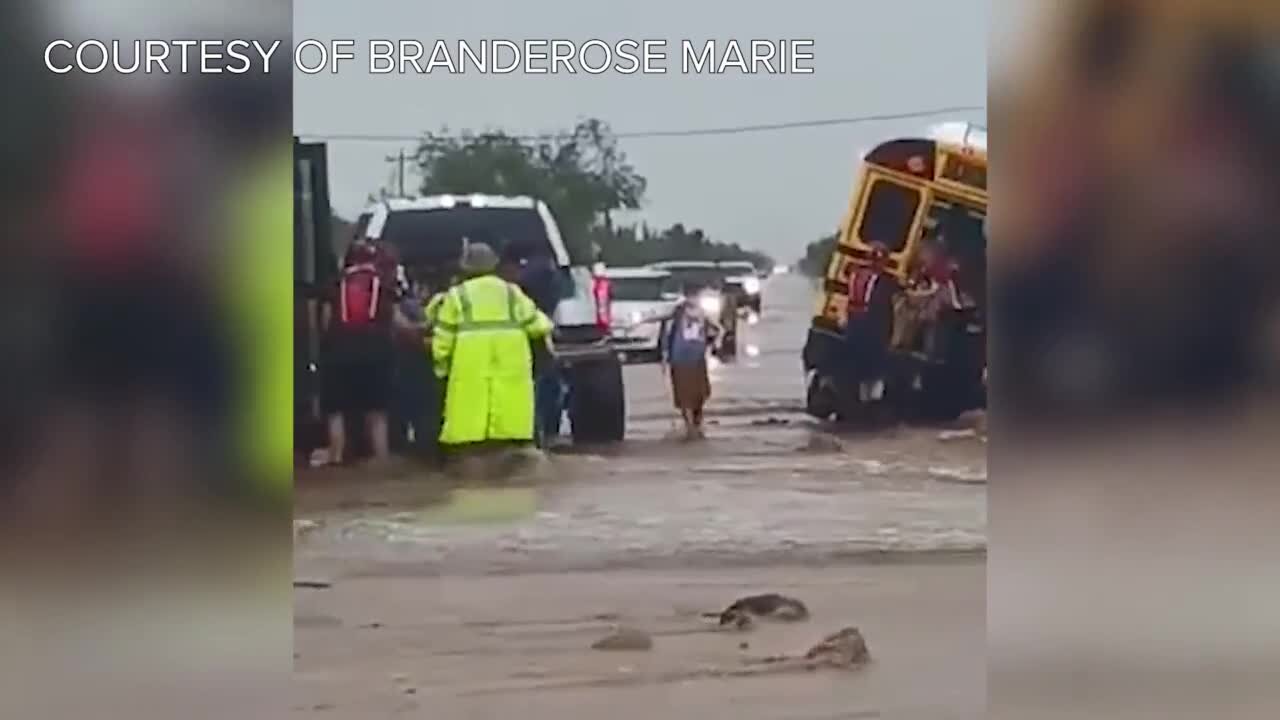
(360, 352)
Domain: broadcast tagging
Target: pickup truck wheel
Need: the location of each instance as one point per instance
(728, 349)
(597, 402)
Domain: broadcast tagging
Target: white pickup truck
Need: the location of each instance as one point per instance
(641, 298)
(428, 232)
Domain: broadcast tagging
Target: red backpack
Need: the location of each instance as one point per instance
(111, 203)
(360, 296)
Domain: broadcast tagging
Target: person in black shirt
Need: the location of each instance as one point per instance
(539, 277)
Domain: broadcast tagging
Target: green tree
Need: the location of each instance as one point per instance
(583, 176)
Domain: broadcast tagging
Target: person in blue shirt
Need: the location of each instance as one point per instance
(689, 334)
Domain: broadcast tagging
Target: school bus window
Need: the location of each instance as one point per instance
(958, 170)
(889, 214)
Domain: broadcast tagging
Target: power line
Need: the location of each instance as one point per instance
(695, 132)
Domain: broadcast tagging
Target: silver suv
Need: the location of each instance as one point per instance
(427, 233)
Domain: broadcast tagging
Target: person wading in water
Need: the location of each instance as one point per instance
(690, 332)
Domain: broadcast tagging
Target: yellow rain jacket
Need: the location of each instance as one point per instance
(261, 291)
(481, 344)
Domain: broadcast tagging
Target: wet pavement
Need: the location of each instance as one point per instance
(769, 485)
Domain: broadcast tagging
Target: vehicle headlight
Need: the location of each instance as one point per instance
(711, 304)
(637, 317)
(751, 285)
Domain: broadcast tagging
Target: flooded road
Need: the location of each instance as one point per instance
(883, 529)
(768, 485)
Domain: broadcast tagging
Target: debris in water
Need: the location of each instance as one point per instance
(769, 606)
(312, 584)
(949, 435)
(844, 649)
(624, 639)
(770, 421)
(736, 620)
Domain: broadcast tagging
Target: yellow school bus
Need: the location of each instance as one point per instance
(909, 191)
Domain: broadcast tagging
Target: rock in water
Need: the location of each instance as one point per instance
(625, 639)
(844, 649)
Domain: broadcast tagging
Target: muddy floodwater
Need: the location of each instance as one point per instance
(483, 601)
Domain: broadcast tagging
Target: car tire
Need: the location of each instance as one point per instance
(728, 347)
(597, 402)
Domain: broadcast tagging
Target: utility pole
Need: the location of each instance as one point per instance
(400, 160)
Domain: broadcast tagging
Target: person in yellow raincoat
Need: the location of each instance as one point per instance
(480, 347)
(259, 278)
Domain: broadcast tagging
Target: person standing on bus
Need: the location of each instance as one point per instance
(941, 270)
(869, 323)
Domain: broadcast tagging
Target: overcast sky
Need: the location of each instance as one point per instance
(773, 191)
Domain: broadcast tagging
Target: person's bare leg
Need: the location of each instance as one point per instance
(337, 439)
(687, 417)
(379, 435)
(698, 430)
